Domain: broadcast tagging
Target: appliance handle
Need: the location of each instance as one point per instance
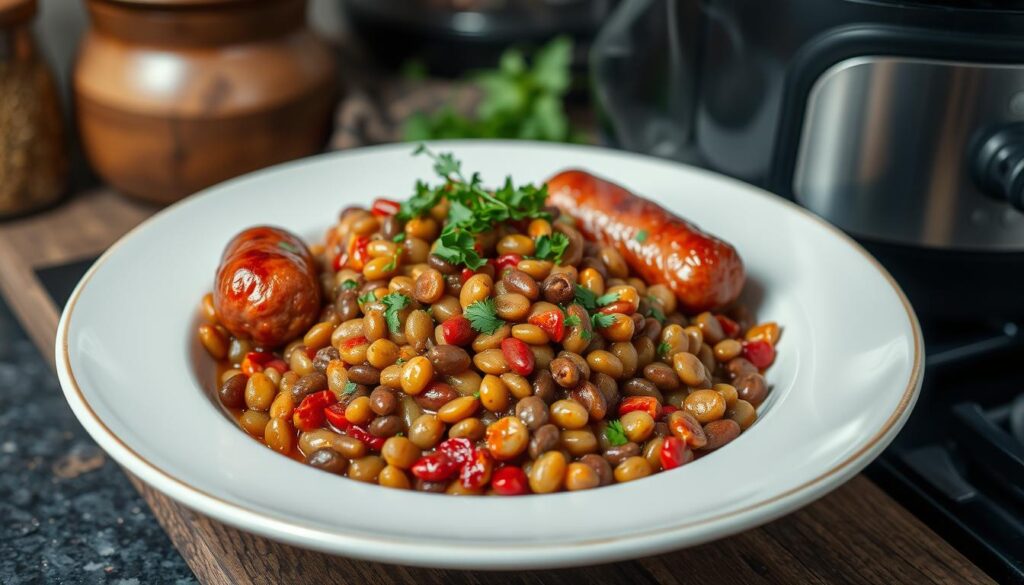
(620, 63)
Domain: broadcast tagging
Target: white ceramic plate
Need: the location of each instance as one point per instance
(847, 373)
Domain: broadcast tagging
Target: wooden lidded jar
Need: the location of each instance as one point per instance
(173, 96)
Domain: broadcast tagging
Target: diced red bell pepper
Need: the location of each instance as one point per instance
(518, 355)
(255, 361)
(458, 449)
(760, 353)
(667, 410)
(648, 404)
(476, 472)
(357, 254)
(435, 466)
(729, 327)
(335, 414)
(466, 274)
(508, 261)
(551, 322)
(673, 453)
(510, 480)
(278, 364)
(457, 330)
(309, 414)
(350, 343)
(385, 207)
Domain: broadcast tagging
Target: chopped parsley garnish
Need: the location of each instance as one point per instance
(476, 395)
(399, 238)
(288, 247)
(591, 301)
(663, 348)
(586, 335)
(572, 321)
(657, 313)
(399, 361)
(349, 388)
(641, 236)
(393, 303)
(369, 297)
(472, 209)
(551, 247)
(349, 284)
(602, 320)
(393, 264)
(615, 434)
(483, 316)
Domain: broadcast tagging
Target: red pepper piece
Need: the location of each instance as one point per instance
(357, 254)
(518, 355)
(667, 410)
(309, 414)
(457, 330)
(552, 322)
(335, 414)
(434, 466)
(508, 261)
(278, 364)
(476, 472)
(510, 481)
(648, 404)
(729, 327)
(466, 274)
(384, 207)
(673, 453)
(760, 353)
(458, 449)
(349, 344)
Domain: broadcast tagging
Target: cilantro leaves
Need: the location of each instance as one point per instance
(551, 247)
(393, 303)
(615, 433)
(472, 209)
(602, 320)
(483, 316)
(591, 301)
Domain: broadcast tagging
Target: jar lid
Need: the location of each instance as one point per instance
(16, 11)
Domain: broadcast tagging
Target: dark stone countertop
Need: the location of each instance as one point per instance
(67, 513)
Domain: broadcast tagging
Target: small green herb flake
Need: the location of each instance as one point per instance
(607, 299)
(586, 297)
(476, 395)
(349, 388)
(657, 314)
(399, 238)
(288, 247)
(393, 264)
(641, 236)
(586, 335)
(551, 247)
(369, 297)
(399, 361)
(349, 284)
(393, 303)
(483, 316)
(615, 434)
(572, 321)
(602, 320)
(663, 348)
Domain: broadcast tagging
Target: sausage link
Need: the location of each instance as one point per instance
(704, 272)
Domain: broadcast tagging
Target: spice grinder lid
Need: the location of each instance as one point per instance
(16, 11)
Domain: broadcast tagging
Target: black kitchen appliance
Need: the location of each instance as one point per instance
(901, 121)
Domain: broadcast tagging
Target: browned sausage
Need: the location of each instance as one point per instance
(267, 288)
(703, 271)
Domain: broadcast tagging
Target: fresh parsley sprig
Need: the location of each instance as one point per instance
(602, 320)
(615, 433)
(591, 301)
(551, 247)
(483, 316)
(393, 303)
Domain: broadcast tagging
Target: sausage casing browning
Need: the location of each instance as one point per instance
(266, 287)
(704, 272)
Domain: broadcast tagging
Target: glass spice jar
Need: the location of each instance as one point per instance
(33, 154)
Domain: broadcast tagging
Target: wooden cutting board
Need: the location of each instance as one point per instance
(857, 534)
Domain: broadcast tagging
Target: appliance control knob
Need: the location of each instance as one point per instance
(998, 164)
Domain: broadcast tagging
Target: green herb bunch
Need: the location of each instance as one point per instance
(520, 100)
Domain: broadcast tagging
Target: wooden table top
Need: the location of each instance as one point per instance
(856, 534)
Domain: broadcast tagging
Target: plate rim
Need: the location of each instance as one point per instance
(486, 555)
